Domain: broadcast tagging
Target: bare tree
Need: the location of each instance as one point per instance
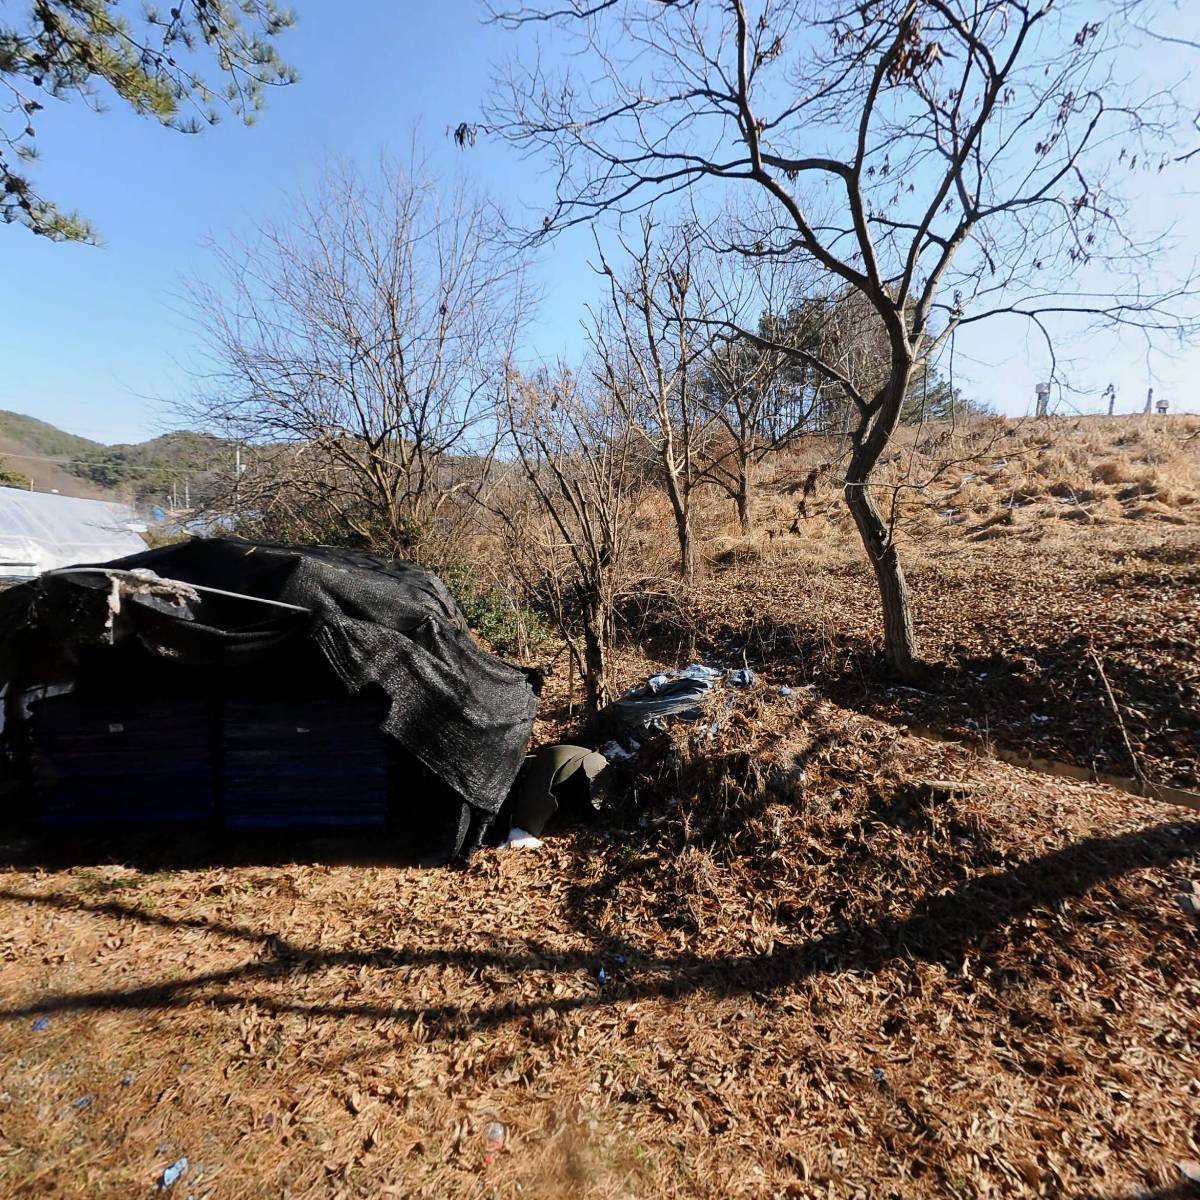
(361, 348)
(759, 392)
(948, 160)
(575, 450)
(649, 341)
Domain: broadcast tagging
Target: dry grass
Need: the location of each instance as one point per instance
(944, 477)
(1020, 563)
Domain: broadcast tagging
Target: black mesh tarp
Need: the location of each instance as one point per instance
(380, 627)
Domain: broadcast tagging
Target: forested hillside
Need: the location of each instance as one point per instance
(146, 473)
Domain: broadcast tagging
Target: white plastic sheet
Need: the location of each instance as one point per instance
(40, 531)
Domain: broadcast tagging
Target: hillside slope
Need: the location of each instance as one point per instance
(40, 437)
(143, 473)
(1050, 563)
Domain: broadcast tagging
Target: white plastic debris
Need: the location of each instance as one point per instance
(521, 839)
(495, 1137)
(173, 1174)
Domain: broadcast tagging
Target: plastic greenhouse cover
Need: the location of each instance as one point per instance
(40, 531)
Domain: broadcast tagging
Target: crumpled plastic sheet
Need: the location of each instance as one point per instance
(682, 695)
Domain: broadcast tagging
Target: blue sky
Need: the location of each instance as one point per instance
(94, 340)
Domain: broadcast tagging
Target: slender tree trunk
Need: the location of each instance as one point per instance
(870, 440)
(681, 507)
(687, 550)
(595, 657)
(745, 497)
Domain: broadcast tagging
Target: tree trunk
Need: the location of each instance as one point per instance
(683, 523)
(870, 440)
(687, 550)
(595, 660)
(899, 640)
(745, 498)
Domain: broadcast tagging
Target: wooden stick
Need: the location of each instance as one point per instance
(1112, 700)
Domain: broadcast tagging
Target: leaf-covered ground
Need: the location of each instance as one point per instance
(1021, 640)
(838, 960)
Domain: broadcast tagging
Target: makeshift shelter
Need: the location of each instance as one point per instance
(255, 685)
(40, 531)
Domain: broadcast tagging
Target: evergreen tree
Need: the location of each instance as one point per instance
(152, 61)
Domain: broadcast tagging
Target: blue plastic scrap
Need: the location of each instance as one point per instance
(173, 1174)
(41, 1024)
(743, 677)
(785, 691)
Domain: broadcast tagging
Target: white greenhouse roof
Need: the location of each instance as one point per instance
(40, 531)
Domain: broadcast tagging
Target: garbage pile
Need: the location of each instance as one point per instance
(682, 695)
(574, 781)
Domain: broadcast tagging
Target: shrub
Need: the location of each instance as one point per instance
(510, 628)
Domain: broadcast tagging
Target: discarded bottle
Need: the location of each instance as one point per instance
(495, 1135)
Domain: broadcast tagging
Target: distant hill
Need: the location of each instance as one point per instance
(144, 473)
(40, 437)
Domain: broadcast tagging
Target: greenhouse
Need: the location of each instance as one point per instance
(40, 531)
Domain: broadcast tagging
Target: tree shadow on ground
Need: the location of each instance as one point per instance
(1183, 1190)
(941, 928)
(1050, 701)
(1042, 697)
(26, 845)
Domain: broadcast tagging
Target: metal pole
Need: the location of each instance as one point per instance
(116, 573)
